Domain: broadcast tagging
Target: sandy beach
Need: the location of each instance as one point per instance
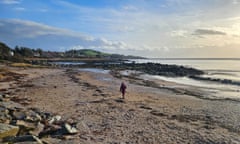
(167, 113)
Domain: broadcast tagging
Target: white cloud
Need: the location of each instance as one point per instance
(77, 47)
(55, 38)
(30, 29)
(130, 8)
(179, 33)
(10, 2)
(19, 9)
(236, 2)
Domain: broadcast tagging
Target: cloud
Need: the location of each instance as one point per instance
(42, 10)
(201, 32)
(19, 9)
(30, 29)
(179, 33)
(130, 8)
(32, 34)
(236, 2)
(10, 2)
(103, 44)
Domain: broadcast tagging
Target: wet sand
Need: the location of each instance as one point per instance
(148, 114)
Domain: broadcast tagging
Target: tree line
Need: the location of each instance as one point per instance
(19, 53)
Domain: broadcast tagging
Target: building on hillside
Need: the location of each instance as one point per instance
(11, 53)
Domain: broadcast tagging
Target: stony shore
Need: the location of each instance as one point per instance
(71, 106)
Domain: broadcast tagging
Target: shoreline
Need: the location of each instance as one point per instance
(158, 69)
(92, 101)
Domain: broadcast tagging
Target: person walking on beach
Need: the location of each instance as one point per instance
(123, 88)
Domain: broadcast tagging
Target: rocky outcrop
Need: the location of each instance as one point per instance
(155, 69)
(149, 68)
(19, 124)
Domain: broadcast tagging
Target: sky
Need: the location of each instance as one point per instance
(149, 28)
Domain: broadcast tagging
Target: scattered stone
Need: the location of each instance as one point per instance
(39, 128)
(69, 129)
(25, 139)
(50, 140)
(19, 115)
(71, 121)
(54, 119)
(36, 110)
(27, 126)
(33, 116)
(4, 115)
(68, 137)
(50, 130)
(145, 107)
(10, 105)
(157, 113)
(84, 137)
(8, 130)
(1, 98)
(45, 115)
(6, 96)
(120, 100)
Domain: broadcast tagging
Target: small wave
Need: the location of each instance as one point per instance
(217, 80)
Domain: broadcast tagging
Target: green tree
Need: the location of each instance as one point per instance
(4, 51)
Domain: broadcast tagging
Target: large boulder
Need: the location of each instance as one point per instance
(8, 130)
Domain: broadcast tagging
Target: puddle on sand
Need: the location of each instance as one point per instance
(95, 70)
(103, 73)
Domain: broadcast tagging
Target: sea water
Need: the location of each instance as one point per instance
(228, 69)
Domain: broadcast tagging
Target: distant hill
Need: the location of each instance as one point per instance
(118, 56)
(6, 53)
(85, 53)
(97, 54)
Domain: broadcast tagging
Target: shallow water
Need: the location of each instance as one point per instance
(68, 63)
(95, 70)
(101, 75)
(214, 68)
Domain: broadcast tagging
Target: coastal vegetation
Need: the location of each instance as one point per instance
(25, 54)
